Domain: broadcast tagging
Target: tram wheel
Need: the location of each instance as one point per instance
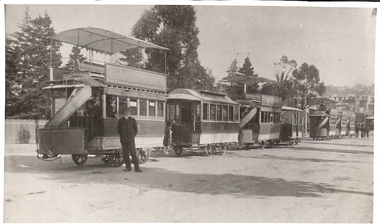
(262, 145)
(143, 156)
(106, 158)
(222, 149)
(178, 150)
(79, 159)
(207, 150)
(117, 159)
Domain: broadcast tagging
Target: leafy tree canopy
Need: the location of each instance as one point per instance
(247, 68)
(173, 27)
(307, 84)
(27, 67)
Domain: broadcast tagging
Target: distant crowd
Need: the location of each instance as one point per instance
(363, 128)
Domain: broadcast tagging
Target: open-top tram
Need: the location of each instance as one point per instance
(260, 120)
(88, 100)
(200, 120)
(319, 124)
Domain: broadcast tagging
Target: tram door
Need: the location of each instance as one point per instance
(179, 114)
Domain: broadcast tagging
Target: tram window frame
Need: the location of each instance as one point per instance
(262, 118)
(133, 104)
(271, 117)
(212, 112)
(121, 105)
(205, 112)
(224, 112)
(219, 112)
(152, 109)
(236, 113)
(160, 108)
(143, 107)
(230, 113)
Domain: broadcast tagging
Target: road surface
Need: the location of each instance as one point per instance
(315, 181)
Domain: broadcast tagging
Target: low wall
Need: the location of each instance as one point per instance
(21, 131)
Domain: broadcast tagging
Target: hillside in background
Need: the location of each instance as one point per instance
(357, 90)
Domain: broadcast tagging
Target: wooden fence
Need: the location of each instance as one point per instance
(21, 131)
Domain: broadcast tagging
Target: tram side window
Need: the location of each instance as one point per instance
(152, 108)
(143, 107)
(271, 117)
(173, 112)
(205, 111)
(218, 112)
(225, 113)
(123, 103)
(236, 113)
(160, 109)
(230, 113)
(213, 112)
(133, 106)
(262, 117)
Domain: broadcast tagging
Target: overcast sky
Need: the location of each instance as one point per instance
(339, 41)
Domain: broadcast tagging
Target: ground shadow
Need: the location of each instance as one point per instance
(156, 178)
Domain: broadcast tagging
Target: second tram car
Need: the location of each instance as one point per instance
(200, 120)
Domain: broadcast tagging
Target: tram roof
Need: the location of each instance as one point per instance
(290, 108)
(190, 94)
(102, 40)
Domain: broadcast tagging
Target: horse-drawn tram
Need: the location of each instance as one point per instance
(88, 100)
(200, 120)
(260, 117)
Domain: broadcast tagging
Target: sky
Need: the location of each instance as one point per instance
(339, 40)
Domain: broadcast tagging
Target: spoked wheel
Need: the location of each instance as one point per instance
(262, 145)
(79, 159)
(106, 158)
(222, 149)
(178, 150)
(142, 155)
(117, 159)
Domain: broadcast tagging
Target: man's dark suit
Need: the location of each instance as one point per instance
(127, 129)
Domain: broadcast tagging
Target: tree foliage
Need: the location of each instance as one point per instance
(233, 69)
(284, 68)
(27, 67)
(173, 27)
(75, 57)
(307, 84)
(247, 68)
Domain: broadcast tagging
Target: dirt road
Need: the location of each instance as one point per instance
(316, 181)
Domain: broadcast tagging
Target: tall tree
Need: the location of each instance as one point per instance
(75, 57)
(173, 27)
(307, 84)
(32, 47)
(247, 68)
(233, 69)
(284, 68)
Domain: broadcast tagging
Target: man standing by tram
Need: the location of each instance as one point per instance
(127, 129)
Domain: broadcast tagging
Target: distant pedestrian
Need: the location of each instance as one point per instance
(366, 128)
(362, 129)
(357, 128)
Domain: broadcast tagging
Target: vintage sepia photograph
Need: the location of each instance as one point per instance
(189, 111)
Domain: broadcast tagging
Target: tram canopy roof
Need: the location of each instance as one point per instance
(189, 94)
(101, 40)
(290, 108)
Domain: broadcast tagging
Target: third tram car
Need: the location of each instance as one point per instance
(200, 120)
(260, 120)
